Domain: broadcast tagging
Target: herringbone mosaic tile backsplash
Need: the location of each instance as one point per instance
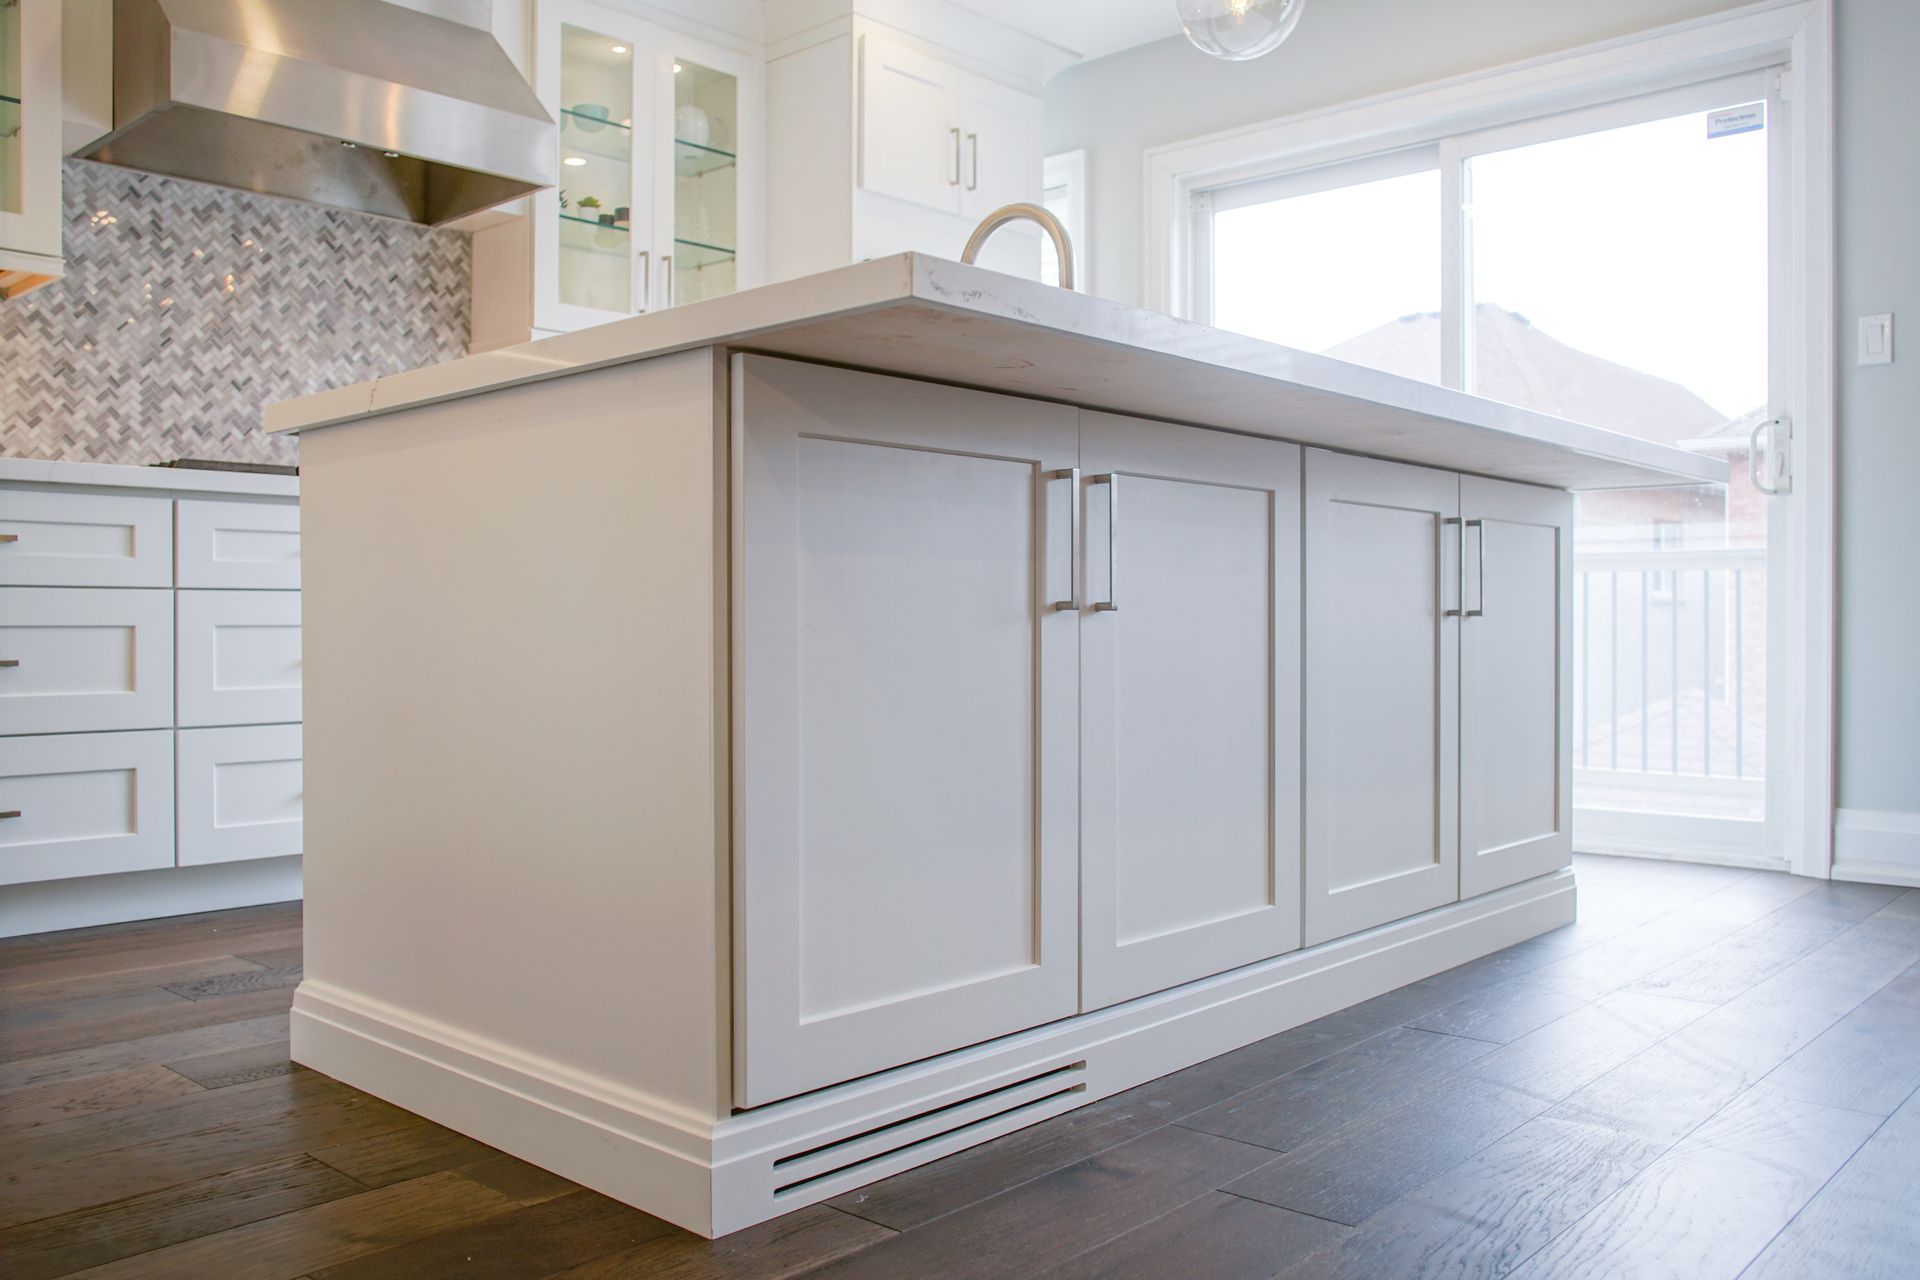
(186, 308)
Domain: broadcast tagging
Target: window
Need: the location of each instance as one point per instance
(1064, 194)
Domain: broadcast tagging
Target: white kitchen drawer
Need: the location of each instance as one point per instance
(243, 545)
(85, 804)
(239, 657)
(85, 540)
(238, 793)
(85, 659)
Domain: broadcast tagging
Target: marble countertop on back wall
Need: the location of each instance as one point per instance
(109, 475)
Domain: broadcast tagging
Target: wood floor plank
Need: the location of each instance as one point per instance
(579, 1226)
(1707, 1207)
(791, 1245)
(299, 1242)
(259, 978)
(1721, 971)
(1862, 1224)
(1867, 1061)
(100, 959)
(397, 1155)
(1217, 1237)
(140, 1051)
(1304, 1104)
(18, 1017)
(1506, 1013)
(176, 1015)
(90, 1095)
(134, 977)
(235, 1066)
(106, 1233)
(1062, 1215)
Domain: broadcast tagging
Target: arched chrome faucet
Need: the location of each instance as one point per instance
(1032, 213)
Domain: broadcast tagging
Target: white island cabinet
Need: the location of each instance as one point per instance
(770, 744)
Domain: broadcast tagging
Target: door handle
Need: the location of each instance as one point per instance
(9, 813)
(973, 176)
(1480, 567)
(955, 180)
(1073, 536)
(9, 537)
(1459, 566)
(1773, 427)
(9, 662)
(643, 281)
(1112, 603)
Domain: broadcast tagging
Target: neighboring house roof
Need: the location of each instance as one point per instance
(1520, 364)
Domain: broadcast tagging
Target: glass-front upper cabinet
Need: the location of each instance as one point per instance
(29, 145)
(648, 209)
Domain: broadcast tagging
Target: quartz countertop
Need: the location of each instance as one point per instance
(111, 475)
(924, 317)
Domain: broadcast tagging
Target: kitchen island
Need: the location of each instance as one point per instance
(764, 745)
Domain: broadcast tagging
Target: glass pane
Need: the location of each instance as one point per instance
(10, 108)
(705, 181)
(1056, 200)
(1353, 272)
(596, 170)
(1620, 279)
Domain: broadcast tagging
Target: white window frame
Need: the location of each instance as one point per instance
(1069, 169)
(1795, 36)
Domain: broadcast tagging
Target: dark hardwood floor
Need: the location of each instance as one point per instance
(1713, 1073)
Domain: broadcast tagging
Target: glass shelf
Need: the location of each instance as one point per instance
(691, 255)
(591, 136)
(694, 159)
(588, 236)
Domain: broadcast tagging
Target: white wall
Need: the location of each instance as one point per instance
(1164, 92)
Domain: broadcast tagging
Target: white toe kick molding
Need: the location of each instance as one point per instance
(1879, 846)
(715, 1176)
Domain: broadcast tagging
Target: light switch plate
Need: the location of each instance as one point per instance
(1876, 339)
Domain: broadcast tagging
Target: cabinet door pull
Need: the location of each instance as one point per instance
(1073, 536)
(9, 662)
(1112, 603)
(9, 537)
(955, 180)
(9, 813)
(1459, 567)
(973, 176)
(643, 281)
(1480, 567)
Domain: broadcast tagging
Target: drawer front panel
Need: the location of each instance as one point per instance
(79, 660)
(85, 804)
(85, 540)
(239, 793)
(239, 655)
(237, 545)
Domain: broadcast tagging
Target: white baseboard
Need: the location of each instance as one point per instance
(718, 1174)
(146, 895)
(1879, 846)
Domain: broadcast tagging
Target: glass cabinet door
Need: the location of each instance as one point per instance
(10, 89)
(704, 192)
(597, 256)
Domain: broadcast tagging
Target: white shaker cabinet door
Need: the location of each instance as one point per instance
(239, 793)
(1189, 704)
(1516, 648)
(1382, 692)
(56, 539)
(239, 657)
(85, 804)
(911, 146)
(240, 545)
(75, 659)
(906, 731)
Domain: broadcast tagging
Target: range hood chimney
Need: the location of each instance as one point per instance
(410, 111)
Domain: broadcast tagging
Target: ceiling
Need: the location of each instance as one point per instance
(1089, 28)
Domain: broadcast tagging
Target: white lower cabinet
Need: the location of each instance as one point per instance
(236, 545)
(1189, 705)
(239, 657)
(58, 539)
(74, 659)
(85, 804)
(907, 771)
(239, 793)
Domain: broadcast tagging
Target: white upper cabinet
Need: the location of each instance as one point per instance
(1382, 692)
(1516, 646)
(1189, 705)
(30, 152)
(908, 743)
(1001, 147)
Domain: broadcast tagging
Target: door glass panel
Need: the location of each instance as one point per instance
(1619, 278)
(596, 171)
(705, 181)
(9, 108)
(1353, 272)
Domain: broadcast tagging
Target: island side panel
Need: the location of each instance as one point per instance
(516, 800)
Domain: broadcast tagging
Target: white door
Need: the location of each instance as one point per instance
(239, 793)
(1000, 148)
(1189, 705)
(85, 804)
(1382, 692)
(1516, 652)
(75, 659)
(252, 546)
(910, 134)
(238, 657)
(906, 727)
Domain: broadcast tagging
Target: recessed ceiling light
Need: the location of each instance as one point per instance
(574, 161)
(619, 48)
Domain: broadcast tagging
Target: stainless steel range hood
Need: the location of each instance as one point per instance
(359, 104)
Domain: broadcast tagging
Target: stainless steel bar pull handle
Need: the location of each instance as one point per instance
(9, 813)
(1480, 567)
(9, 662)
(9, 537)
(1112, 603)
(643, 281)
(1073, 536)
(973, 173)
(955, 180)
(1459, 566)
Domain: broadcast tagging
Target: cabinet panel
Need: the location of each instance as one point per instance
(910, 132)
(1001, 148)
(1190, 705)
(239, 793)
(84, 540)
(239, 545)
(77, 659)
(85, 804)
(239, 657)
(1515, 705)
(1382, 694)
(907, 734)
